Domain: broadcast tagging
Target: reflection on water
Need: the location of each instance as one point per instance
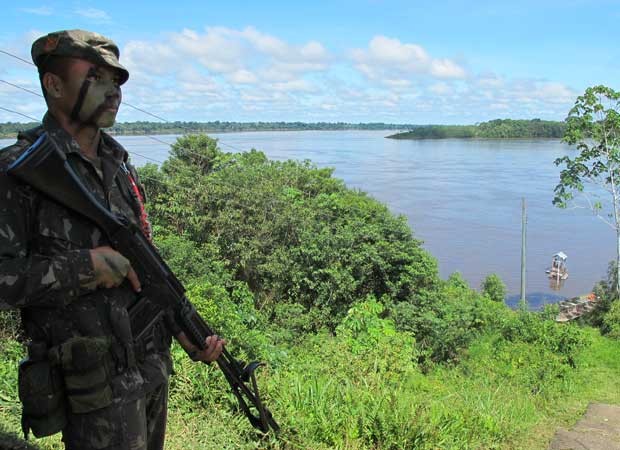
(461, 197)
(556, 284)
(535, 300)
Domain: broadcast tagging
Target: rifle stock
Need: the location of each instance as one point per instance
(46, 168)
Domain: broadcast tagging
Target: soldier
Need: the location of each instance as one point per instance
(85, 375)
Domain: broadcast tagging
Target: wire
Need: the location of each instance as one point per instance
(272, 204)
(202, 157)
(145, 112)
(37, 120)
(246, 190)
(123, 102)
(22, 88)
(174, 164)
(17, 57)
(18, 113)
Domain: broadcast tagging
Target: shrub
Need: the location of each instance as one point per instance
(288, 230)
(444, 322)
(494, 288)
(563, 340)
(10, 324)
(611, 321)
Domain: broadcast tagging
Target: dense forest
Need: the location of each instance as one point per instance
(366, 346)
(10, 129)
(494, 129)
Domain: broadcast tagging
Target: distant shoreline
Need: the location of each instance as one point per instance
(10, 130)
(495, 129)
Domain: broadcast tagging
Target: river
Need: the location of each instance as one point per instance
(461, 197)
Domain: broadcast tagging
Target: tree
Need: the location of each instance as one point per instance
(593, 125)
(494, 288)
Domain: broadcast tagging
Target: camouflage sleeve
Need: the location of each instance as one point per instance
(28, 279)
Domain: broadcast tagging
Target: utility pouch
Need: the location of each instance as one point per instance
(85, 363)
(42, 396)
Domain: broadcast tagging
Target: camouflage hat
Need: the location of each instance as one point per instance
(81, 44)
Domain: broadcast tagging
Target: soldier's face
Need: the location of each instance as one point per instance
(93, 94)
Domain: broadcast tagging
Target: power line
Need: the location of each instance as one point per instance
(123, 102)
(16, 112)
(145, 112)
(17, 57)
(149, 136)
(22, 88)
(174, 164)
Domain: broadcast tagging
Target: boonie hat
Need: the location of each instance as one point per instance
(81, 44)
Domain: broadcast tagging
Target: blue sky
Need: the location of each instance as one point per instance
(355, 61)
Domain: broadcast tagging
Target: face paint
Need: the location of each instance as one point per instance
(98, 99)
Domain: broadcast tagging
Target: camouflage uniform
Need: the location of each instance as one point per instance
(115, 399)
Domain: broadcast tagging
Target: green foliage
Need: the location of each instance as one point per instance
(438, 132)
(10, 129)
(494, 288)
(565, 340)
(606, 295)
(10, 324)
(232, 315)
(363, 326)
(293, 233)
(494, 129)
(217, 126)
(611, 321)
(366, 347)
(335, 396)
(445, 321)
(190, 261)
(12, 352)
(593, 125)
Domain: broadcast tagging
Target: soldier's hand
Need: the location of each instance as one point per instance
(214, 345)
(111, 268)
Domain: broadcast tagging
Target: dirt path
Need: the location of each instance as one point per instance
(599, 429)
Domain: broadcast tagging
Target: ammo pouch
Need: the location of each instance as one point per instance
(41, 393)
(85, 363)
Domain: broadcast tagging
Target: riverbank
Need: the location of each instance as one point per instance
(142, 128)
(494, 129)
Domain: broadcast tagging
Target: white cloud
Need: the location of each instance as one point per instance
(150, 57)
(444, 68)
(93, 14)
(264, 43)
(218, 50)
(243, 56)
(293, 86)
(386, 56)
(243, 77)
(441, 88)
(40, 11)
(499, 107)
(555, 92)
(220, 73)
(397, 83)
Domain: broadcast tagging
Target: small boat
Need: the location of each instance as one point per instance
(558, 269)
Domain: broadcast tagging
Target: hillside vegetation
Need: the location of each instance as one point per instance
(10, 129)
(494, 129)
(366, 347)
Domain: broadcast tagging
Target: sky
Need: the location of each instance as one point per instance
(407, 62)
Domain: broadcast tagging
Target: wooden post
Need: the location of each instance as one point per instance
(523, 248)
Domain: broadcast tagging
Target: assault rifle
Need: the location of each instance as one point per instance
(46, 168)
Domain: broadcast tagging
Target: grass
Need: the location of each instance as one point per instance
(327, 397)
